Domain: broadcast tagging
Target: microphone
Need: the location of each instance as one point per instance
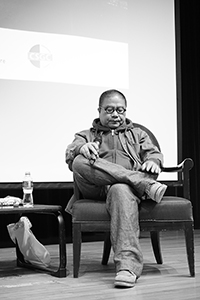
(98, 141)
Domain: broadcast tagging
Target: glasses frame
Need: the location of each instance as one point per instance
(114, 109)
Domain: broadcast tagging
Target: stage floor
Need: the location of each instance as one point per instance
(170, 280)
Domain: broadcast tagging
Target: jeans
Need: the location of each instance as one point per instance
(122, 190)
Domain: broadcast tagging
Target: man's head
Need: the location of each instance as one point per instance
(112, 108)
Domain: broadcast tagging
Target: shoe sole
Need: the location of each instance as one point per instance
(160, 193)
(124, 284)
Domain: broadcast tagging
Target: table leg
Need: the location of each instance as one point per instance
(62, 271)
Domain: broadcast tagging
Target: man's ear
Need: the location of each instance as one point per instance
(99, 109)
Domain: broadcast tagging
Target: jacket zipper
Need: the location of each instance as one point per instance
(113, 140)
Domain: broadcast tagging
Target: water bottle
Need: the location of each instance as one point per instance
(27, 186)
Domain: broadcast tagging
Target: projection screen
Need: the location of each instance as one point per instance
(57, 57)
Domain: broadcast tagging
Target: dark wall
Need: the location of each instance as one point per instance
(190, 83)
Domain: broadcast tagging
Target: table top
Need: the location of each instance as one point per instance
(37, 208)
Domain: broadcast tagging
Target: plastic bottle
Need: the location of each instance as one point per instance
(27, 186)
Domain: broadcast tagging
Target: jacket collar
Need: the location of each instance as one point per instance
(97, 127)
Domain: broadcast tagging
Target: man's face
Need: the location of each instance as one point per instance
(111, 112)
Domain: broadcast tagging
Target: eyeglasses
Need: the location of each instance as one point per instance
(110, 109)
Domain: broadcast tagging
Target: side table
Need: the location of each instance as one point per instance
(55, 210)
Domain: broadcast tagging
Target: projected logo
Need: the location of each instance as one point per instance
(40, 56)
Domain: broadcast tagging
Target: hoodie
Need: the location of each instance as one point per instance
(128, 145)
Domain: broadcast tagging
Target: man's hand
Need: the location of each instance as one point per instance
(151, 166)
(90, 150)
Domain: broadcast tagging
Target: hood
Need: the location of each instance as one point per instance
(97, 127)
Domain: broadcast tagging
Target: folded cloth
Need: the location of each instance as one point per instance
(33, 251)
(10, 201)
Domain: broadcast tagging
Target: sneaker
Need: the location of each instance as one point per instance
(156, 191)
(125, 279)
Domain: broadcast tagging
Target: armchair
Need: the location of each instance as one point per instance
(172, 213)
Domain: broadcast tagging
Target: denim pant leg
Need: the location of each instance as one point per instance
(102, 173)
(122, 205)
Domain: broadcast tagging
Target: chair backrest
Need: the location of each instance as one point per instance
(151, 135)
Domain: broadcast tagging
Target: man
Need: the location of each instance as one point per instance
(117, 162)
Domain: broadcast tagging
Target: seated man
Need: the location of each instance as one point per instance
(117, 162)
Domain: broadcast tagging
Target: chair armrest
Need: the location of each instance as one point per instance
(184, 180)
(186, 165)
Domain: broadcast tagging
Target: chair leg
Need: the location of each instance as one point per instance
(77, 238)
(106, 250)
(155, 241)
(189, 239)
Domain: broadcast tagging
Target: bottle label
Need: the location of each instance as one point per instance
(27, 190)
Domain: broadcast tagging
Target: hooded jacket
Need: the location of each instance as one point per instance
(128, 145)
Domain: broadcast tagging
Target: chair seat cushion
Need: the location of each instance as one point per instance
(90, 210)
(170, 208)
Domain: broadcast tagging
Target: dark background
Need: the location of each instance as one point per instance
(190, 79)
(46, 228)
